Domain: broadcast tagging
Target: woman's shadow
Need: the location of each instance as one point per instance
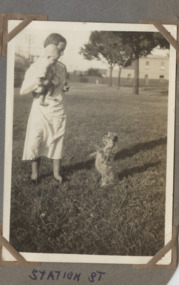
(121, 155)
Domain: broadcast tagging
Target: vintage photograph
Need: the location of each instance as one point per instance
(89, 144)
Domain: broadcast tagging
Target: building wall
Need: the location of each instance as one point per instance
(154, 68)
(150, 67)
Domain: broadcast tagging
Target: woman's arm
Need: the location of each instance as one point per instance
(31, 79)
(27, 87)
(29, 83)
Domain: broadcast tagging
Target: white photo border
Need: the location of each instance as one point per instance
(44, 257)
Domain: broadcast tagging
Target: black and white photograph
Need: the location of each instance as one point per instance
(89, 143)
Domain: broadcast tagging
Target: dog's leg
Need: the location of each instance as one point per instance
(93, 154)
(103, 181)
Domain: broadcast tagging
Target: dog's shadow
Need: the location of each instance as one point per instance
(124, 153)
(121, 155)
(136, 169)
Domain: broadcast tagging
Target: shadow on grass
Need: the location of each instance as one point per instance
(89, 164)
(124, 153)
(137, 169)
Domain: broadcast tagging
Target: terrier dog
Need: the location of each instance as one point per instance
(105, 158)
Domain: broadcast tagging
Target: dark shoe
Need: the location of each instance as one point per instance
(34, 181)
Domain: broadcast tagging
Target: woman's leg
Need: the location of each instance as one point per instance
(56, 169)
(35, 168)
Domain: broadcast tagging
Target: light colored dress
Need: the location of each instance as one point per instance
(46, 124)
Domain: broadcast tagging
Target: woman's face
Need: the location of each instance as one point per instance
(61, 46)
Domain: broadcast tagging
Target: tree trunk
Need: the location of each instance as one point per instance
(136, 76)
(110, 75)
(119, 76)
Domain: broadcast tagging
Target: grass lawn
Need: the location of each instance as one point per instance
(79, 216)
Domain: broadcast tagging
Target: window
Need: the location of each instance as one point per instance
(162, 65)
(147, 65)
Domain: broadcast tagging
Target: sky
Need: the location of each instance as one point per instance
(31, 41)
(71, 58)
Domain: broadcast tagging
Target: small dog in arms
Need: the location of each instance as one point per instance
(105, 158)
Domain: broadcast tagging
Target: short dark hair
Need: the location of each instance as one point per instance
(54, 39)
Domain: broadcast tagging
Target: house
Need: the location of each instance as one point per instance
(153, 71)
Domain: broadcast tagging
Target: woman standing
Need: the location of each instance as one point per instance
(46, 124)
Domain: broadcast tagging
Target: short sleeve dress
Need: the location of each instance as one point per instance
(46, 124)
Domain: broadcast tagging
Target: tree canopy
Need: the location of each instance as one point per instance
(142, 43)
(121, 48)
(105, 45)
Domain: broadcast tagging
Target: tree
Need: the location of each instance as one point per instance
(141, 44)
(94, 72)
(122, 48)
(104, 45)
(123, 53)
